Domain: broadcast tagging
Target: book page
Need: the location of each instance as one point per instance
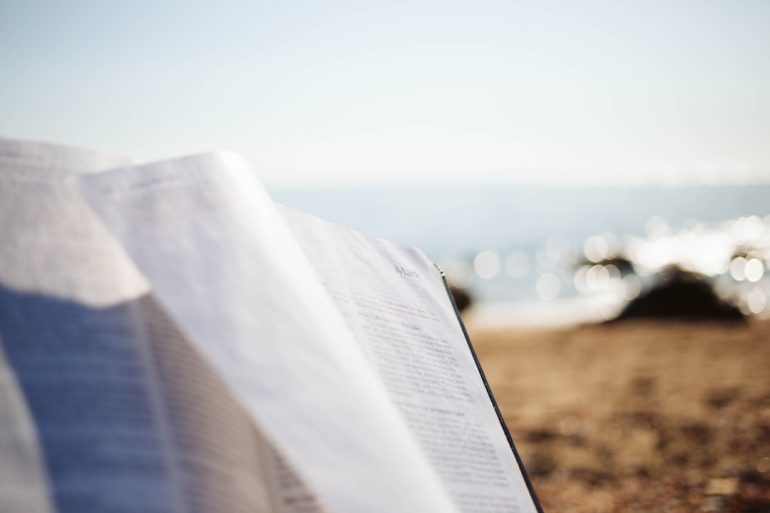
(23, 482)
(69, 345)
(27, 264)
(222, 262)
(220, 458)
(24, 157)
(396, 303)
(104, 405)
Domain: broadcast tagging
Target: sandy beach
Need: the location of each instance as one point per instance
(637, 416)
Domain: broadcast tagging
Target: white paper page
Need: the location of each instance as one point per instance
(78, 371)
(220, 459)
(23, 157)
(130, 417)
(396, 302)
(224, 264)
(50, 248)
(23, 481)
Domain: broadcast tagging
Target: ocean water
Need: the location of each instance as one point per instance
(523, 226)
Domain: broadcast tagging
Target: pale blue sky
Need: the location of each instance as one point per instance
(402, 92)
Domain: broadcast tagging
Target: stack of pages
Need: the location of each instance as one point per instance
(171, 340)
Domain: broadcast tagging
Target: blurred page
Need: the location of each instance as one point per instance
(21, 156)
(104, 405)
(221, 259)
(24, 481)
(396, 302)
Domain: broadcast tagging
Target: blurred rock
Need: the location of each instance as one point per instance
(462, 297)
(622, 263)
(681, 295)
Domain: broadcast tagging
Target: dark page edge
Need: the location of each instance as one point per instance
(500, 418)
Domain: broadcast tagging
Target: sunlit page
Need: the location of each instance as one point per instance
(23, 157)
(220, 258)
(104, 405)
(396, 303)
(78, 370)
(71, 299)
(24, 484)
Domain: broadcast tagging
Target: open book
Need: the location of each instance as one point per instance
(173, 341)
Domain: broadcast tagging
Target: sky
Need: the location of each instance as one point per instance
(371, 93)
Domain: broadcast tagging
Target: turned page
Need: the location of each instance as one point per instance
(74, 377)
(222, 262)
(396, 303)
(24, 484)
(104, 404)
